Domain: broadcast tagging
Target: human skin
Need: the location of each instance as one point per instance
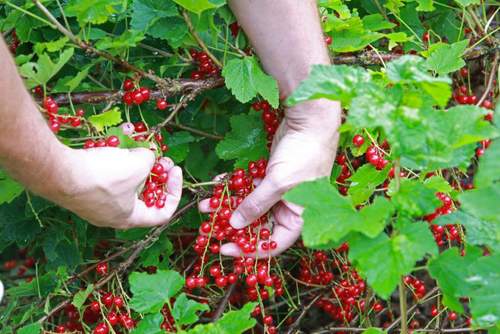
(287, 36)
(101, 184)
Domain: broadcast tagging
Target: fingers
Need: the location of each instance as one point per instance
(287, 229)
(142, 216)
(256, 204)
(143, 160)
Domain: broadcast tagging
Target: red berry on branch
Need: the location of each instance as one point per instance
(358, 140)
(161, 104)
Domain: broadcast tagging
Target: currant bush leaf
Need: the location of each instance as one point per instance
(178, 145)
(108, 118)
(245, 142)
(232, 322)
(146, 12)
(364, 181)
(327, 211)
(44, 69)
(198, 6)
(447, 58)
(10, 188)
(115, 45)
(245, 78)
(400, 252)
(81, 296)
(151, 292)
(150, 324)
(185, 310)
(334, 82)
(34, 328)
(413, 197)
(91, 11)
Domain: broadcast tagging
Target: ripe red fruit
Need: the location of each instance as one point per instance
(102, 268)
(94, 306)
(328, 40)
(377, 307)
(487, 104)
(161, 104)
(118, 301)
(60, 329)
(464, 72)
(101, 328)
(128, 84)
(358, 140)
(137, 97)
(112, 318)
(268, 320)
(113, 141)
(251, 280)
(426, 37)
(146, 94)
(452, 316)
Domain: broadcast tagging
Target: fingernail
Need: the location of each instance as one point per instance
(237, 221)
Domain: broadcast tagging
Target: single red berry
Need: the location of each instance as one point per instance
(452, 316)
(358, 140)
(118, 301)
(328, 40)
(94, 306)
(102, 268)
(426, 37)
(251, 280)
(107, 299)
(113, 141)
(464, 72)
(161, 104)
(101, 328)
(146, 94)
(487, 104)
(128, 84)
(268, 320)
(60, 329)
(137, 97)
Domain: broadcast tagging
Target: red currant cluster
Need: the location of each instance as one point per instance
(154, 192)
(111, 306)
(271, 118)
(135, 96)
(55, 120)
(442, 234)
(206, 67)
(111, 141)
(417, 286)
(22, 266)
(375, 156)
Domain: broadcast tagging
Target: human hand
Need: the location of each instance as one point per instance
(303, 149)
(104, 184)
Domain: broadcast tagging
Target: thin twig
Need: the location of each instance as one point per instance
(491, 79)
(222, 306)
(358, 330)
(199, 40)
(302, 314)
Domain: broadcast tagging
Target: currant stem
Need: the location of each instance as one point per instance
(403, 307)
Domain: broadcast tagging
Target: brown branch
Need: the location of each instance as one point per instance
(222, 306)
(491, 79)
(372, 58)
(175, 86)
(196, 131)
(136, 248)
(302, 314)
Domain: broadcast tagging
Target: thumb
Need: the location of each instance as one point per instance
(256, 204)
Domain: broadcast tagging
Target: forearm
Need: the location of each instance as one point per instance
(286, 35)
(28, 149)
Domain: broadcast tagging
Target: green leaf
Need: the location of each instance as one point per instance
(184, 311)
(465, 3)
(439, 184)
(413, 197)
(10, 188)
(44, 69)
(150, 324)
(364, 181)
(351, 35)
(146, 12)
(399, 252)
(374, 330)
(151, 256)
(106, 119)
(178, 144)
(449, 270)
(151, 292)
(425, 5)
(91, 11)
(246, 141)
(489, 165)
(245, 78)
(115, 45)
(51, 46)
(396, 38)
(172, 29)
(198, 6)
(81, 296)
(334, 82)
(327, 211)
(376, 22)
(447, 58)
(35, 328)
(39, 286)
(482, 203)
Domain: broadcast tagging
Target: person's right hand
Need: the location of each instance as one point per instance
(104, 183)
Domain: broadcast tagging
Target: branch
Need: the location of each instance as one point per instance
(494, 68)
(372, 58)
(223, 303)
(302, 314)
(174, 87)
